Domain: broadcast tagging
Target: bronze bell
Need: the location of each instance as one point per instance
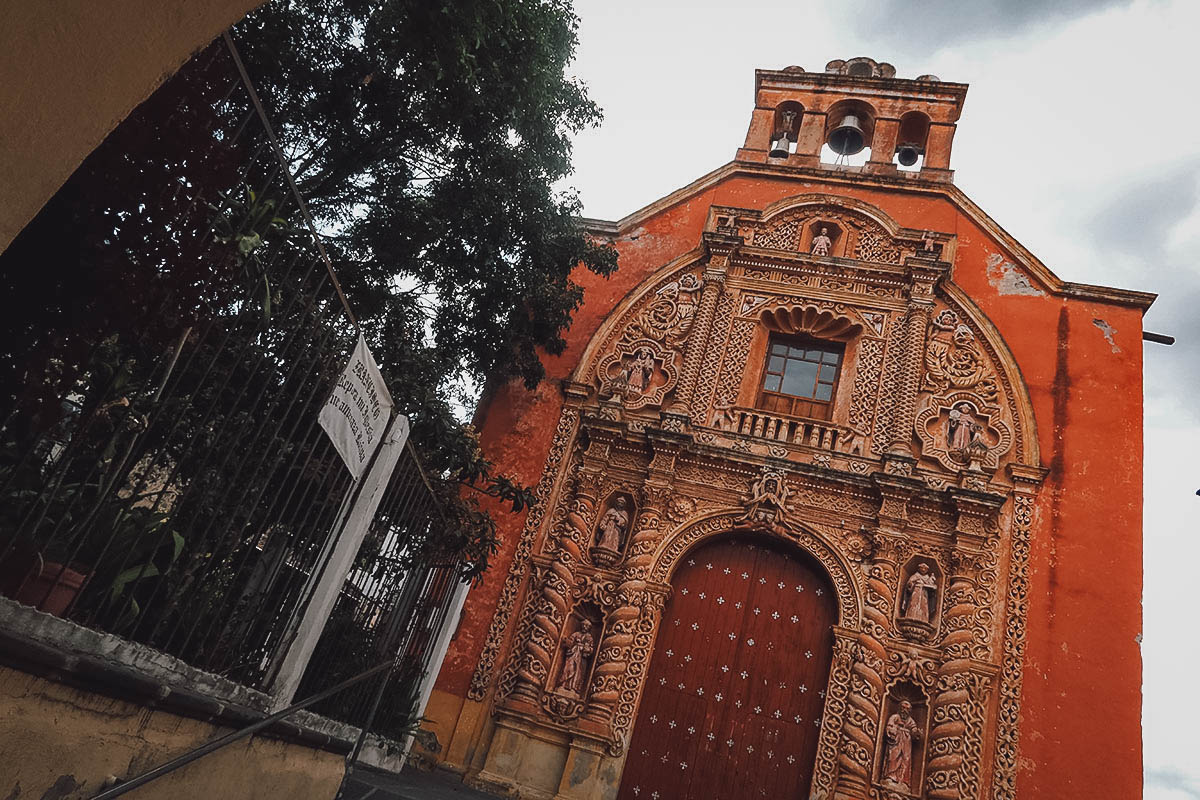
(907, 154)
(848, 138)
(779, 146)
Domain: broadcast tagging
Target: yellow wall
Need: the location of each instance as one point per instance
(60, 742)
(70, 70)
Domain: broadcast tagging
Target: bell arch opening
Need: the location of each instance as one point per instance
(735, 690)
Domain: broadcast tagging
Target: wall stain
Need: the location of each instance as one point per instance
(1061, 392)
(582, 770)
(61, 788)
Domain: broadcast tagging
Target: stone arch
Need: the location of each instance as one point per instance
(608, 332)
(676, 544)
(848, 204)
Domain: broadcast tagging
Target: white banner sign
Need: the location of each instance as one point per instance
(356, 415)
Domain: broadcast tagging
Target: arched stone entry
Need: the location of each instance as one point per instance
(733, 698)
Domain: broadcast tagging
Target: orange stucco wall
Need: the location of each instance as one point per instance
(1083, 664)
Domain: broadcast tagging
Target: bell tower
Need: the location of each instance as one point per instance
(908, 124)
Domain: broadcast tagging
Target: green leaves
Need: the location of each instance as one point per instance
(426, 137)
(430, 135)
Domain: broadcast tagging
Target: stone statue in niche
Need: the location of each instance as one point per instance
(578, 648)
(960, 429)
(964, 436)
(637, 374)
(821, 243)
(901, 732)
(919, 593)
(613, 525)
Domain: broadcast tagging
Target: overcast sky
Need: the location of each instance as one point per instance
(1079, 136)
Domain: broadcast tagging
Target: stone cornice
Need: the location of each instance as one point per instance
(1043, 275)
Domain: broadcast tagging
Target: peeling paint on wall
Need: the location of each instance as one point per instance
(1007, 279)
(1109, 331)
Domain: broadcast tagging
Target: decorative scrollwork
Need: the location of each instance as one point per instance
(1004, 778)
(563, 434)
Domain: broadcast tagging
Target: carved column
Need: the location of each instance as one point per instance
(506, 605)
(697, 338)
(1026, 480)
(956, 712)
(555, 576)
(956, 718)
(861, 726)
(865, 700)
(880, 602)
(826, 768)
(550, 613)
(651, 599)
(924, 275)
(618, 662)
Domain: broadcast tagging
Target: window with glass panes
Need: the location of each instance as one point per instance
(800, 378)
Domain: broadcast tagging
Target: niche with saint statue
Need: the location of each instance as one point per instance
(822, 238)
(613, 525)
(638, 373)
(574, 659)
(902, 739)
(918, 609)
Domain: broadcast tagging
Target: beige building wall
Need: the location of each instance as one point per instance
(63, 743)
(71, 70)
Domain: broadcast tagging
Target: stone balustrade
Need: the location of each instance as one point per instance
(790, 430)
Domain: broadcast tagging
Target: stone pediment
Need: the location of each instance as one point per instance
(826, 227)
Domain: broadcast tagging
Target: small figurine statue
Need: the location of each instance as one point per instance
(919, 594)
(821, 243)
(640, 371)
(767, 503)
(901, 733)
(578, 646)
(959, 429)
(724, 418)
(613, 526)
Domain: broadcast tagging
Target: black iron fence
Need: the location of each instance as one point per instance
(162, 473)
(393, 602)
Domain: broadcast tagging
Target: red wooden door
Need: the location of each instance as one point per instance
(736, 686)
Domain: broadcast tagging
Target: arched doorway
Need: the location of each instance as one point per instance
(736, 686)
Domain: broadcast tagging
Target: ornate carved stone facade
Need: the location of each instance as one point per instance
(918, 489)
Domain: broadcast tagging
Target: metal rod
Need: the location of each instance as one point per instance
(230, 738)
(1157, 338)
(262, 113)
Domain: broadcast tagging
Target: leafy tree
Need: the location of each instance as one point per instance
(426, 137)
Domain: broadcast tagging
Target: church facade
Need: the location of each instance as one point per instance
(839, 494)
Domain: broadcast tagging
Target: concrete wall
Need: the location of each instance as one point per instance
(71, 70)
(62, 743)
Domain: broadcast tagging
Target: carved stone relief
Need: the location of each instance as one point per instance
(963, 421)
(931, 595)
